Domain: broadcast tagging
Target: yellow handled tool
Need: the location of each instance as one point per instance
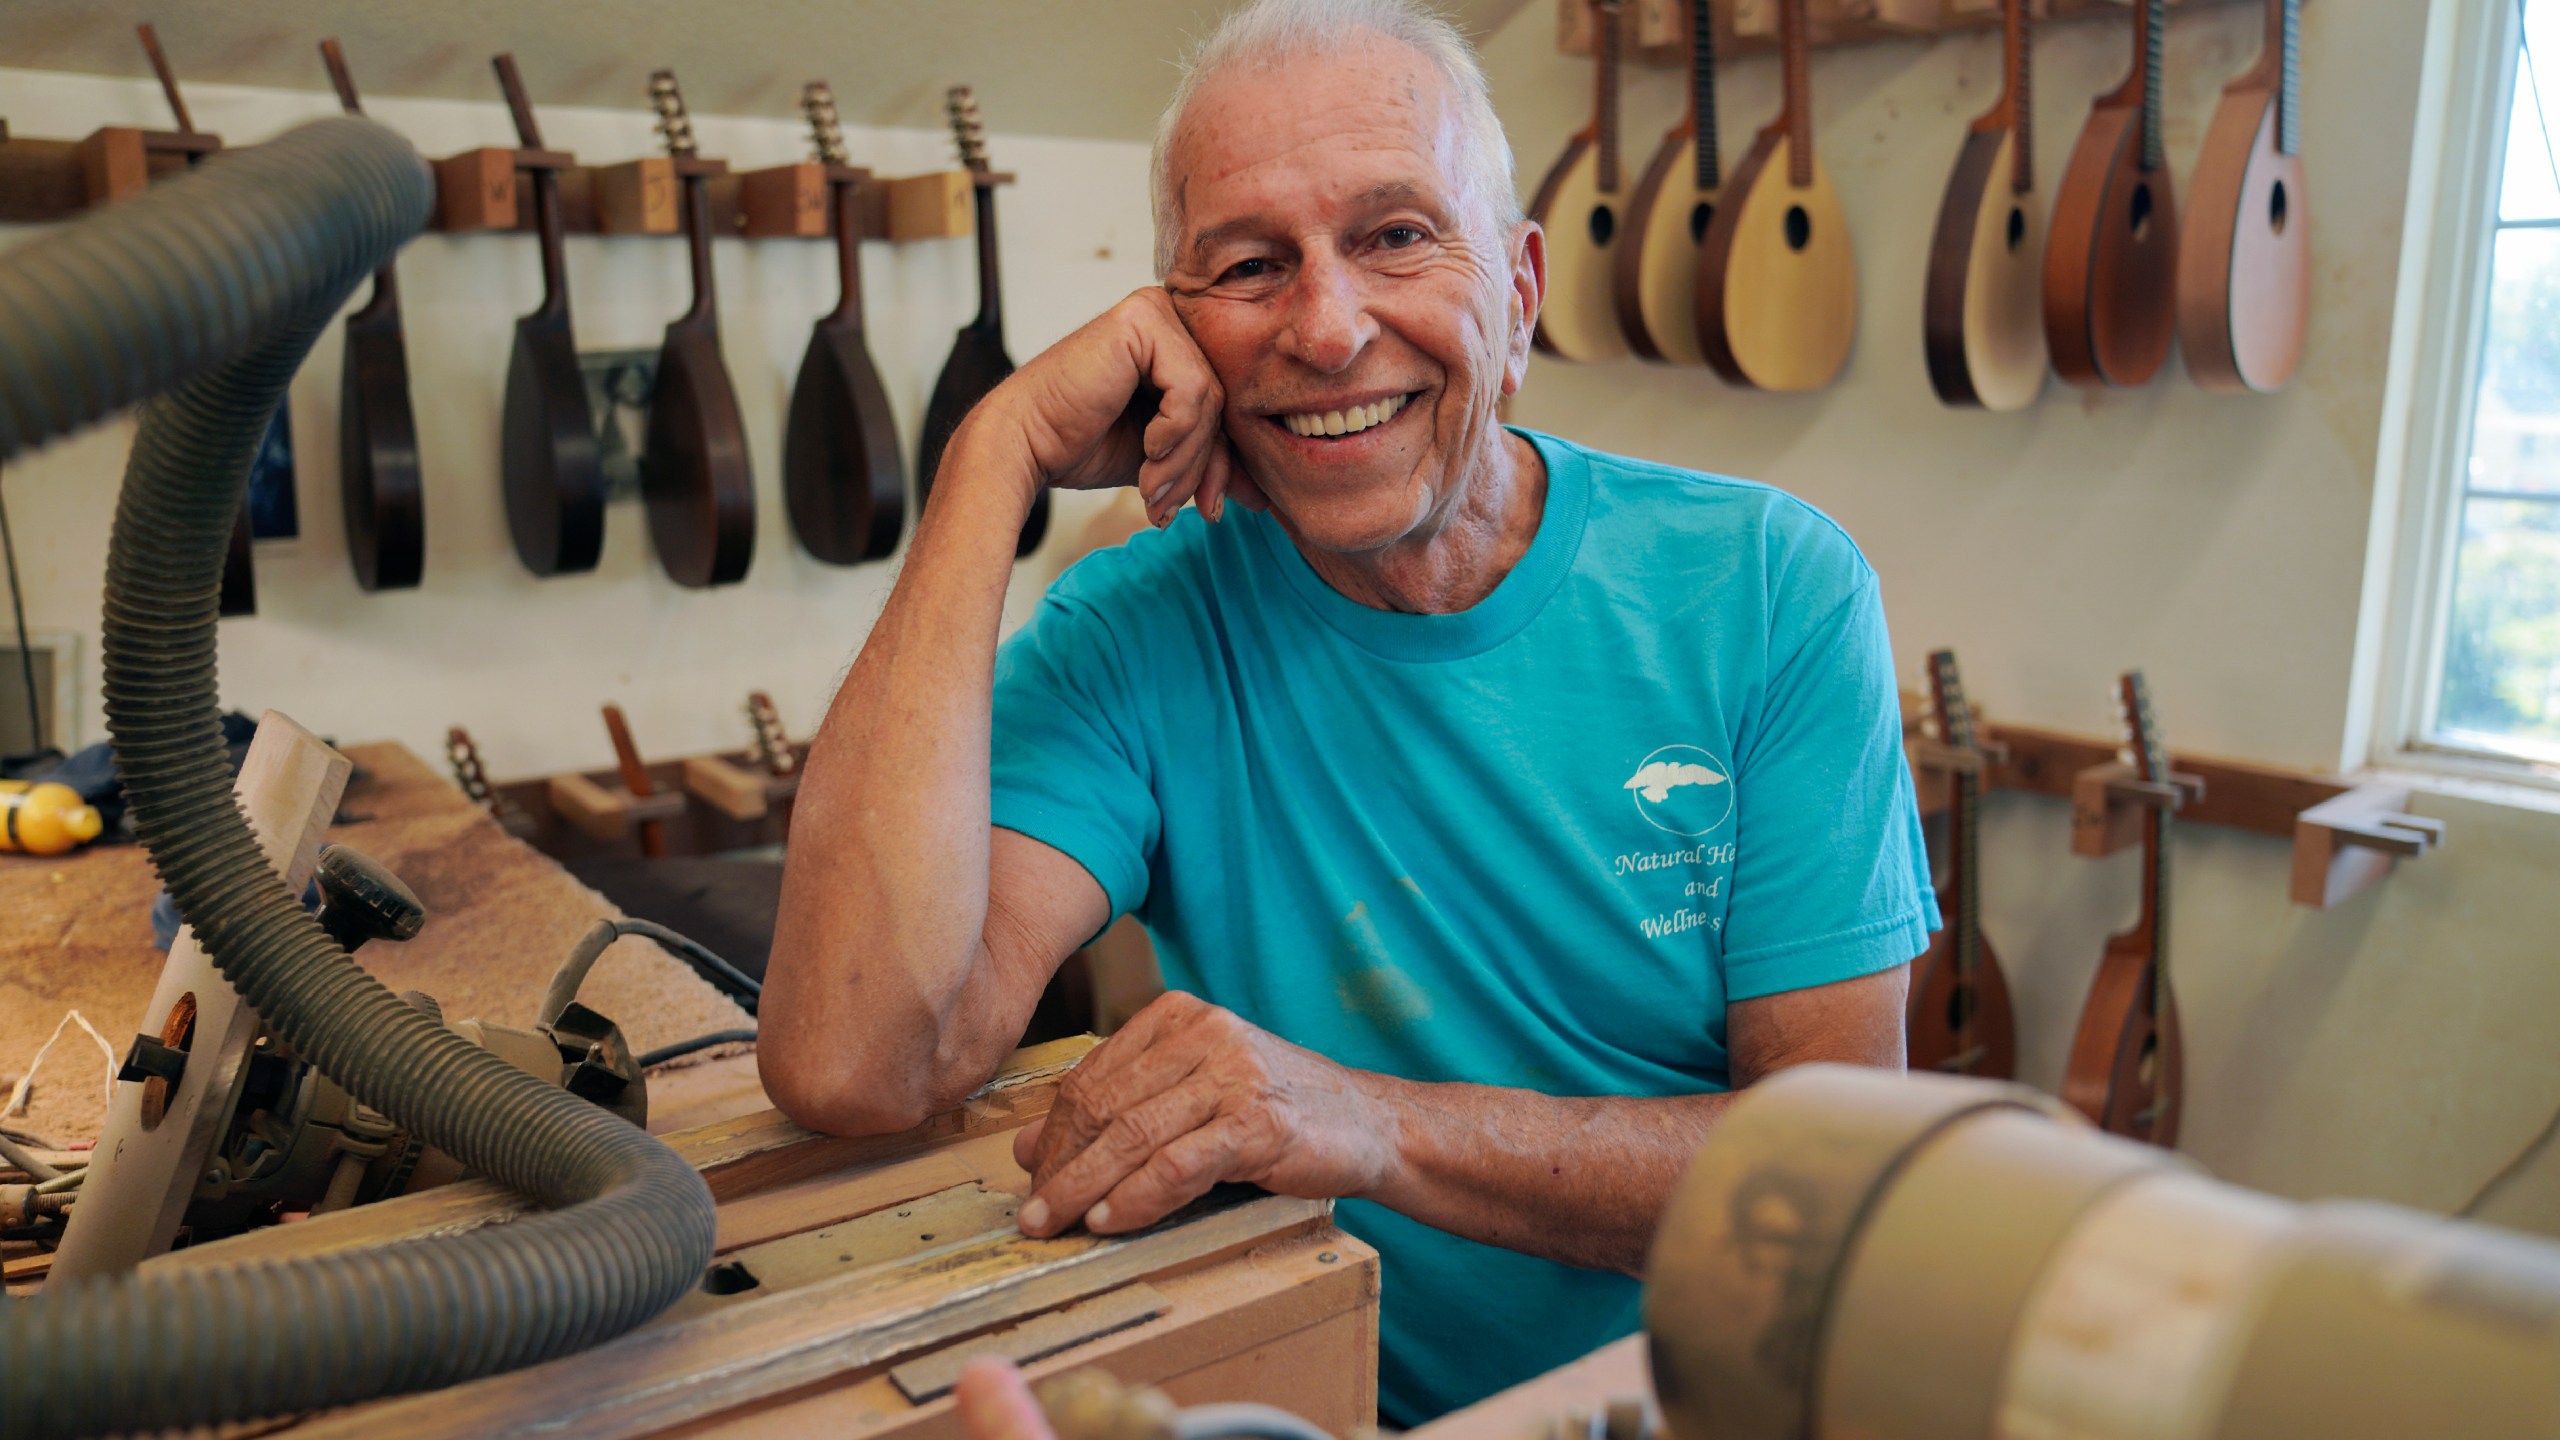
(44, 818)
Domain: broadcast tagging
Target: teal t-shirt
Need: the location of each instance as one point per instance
(1540, 843)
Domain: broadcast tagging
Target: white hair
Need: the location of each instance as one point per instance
(1265, 32)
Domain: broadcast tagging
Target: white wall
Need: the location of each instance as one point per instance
(2396, 1047)
(525, 662)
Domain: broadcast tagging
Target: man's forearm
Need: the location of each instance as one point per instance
(884, 896)
(1581, 1181)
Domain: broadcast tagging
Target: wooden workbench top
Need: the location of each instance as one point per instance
(75, 935)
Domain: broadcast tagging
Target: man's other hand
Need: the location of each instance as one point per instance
(995, 1403)
(1126, 400)
(1187, 1095)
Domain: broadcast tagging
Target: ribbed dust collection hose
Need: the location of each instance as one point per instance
(211, 288)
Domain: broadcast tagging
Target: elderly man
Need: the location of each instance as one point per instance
(1497, 805)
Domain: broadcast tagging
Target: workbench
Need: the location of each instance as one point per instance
(857, 1275)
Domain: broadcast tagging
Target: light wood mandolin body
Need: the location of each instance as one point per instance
(1777, 276)
(2111, 268)
(2244, 268)
(1656, 284)
(2126, 1071)
(1983, 318)
(1943, 998)
(1579, 318)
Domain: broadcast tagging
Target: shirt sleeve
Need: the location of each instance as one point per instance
(1069, 767)
(1830, 873)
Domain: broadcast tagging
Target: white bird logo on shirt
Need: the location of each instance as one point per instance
(1658, 778)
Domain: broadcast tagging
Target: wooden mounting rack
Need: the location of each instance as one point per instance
(1750, 27)
(2346, 833)
(44, 180)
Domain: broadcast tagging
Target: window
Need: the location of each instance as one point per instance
(2497, 687)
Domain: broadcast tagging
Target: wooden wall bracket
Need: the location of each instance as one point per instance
(479, 189)
(2337, 851)
(2107, 802)
(2346, 843)
(45, 180)
(482, 189)
(1750, 27)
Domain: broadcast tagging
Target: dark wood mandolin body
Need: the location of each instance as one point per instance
(555, 489)
(841, 472)
(1942, 995)
(378, 449)
(978, 364)
(2126, 1071)
(701, 494)
(1942, 329)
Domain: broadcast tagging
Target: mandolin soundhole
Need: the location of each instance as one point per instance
(1603, 224)
(1960, 1007)
(2017, 227)
(2140, 212)
(2147, 1069)
(2276, 208)
(1799, 228)
(1700, 216)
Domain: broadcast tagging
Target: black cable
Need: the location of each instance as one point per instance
(2510, 1170)
(682, 1048)
(698, 953)
(26, 652)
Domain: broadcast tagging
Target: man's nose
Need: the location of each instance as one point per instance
(1329, 322)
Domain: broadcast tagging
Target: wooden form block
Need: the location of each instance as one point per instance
(114, 163)
(603, 811)
(636, 197)
(791, 201)
(479, 189)
(2343, 845)
(934, 206)
(740, 791)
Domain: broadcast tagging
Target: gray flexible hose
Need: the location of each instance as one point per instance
(212, 287)
(1244, 1422)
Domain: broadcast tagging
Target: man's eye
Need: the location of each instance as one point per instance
(1397, 237)
(1247, 270)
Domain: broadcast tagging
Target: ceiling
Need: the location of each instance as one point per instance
(1098, 68)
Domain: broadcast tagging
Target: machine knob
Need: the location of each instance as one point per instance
(360, 899)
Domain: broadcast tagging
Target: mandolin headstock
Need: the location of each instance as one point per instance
(675, 127)
(2150, 758)
(1948, 708)
(773, 747)
(826, 130)
(967, 131)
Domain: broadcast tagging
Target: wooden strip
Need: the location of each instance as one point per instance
(738, 1157)
(1038, 1338)
(664, 1376)
(808, 1204)
(2263, 799)
(1261, 1305)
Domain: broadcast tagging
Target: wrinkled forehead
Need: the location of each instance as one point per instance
(1281, 143)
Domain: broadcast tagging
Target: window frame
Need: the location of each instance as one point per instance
(2466, 97)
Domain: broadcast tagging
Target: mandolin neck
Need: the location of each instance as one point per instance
(848, 207)
(1967, 829)
(1604, 103)
(1702, 93)
(990, 288)
(697, 229)
(2284, 38)
(1793, 45)
(2150, 30)
(549, 223)
(2017, 54)
(2155, 903)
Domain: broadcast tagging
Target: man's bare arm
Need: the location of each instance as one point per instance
(1202, 1096)
(913, 940)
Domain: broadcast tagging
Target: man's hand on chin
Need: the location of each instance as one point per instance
(1187, 1095)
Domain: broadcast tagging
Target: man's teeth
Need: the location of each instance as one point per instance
(1344, 422)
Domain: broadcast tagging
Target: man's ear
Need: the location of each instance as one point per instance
(1528, 295)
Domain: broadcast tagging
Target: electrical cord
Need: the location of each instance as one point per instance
(664, 1053)
(583, 955)
(2514, 1166)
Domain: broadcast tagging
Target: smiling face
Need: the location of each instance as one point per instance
(1363, 311)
